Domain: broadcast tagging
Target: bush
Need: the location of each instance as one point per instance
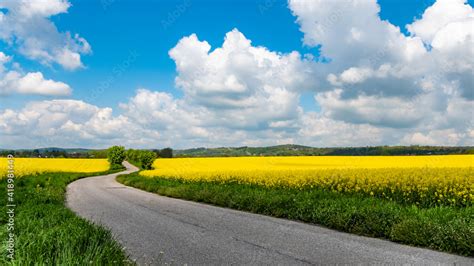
(133, 156)
(146, 159)
(141, 158)
(165, 153)
(116, 155)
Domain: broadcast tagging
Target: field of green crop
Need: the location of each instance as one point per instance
(48, 233)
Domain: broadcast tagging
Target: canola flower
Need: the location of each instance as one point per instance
(421, 180)
(29, 166)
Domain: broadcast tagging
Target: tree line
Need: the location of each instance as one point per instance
(298, 150)
(281, 150)
(141, 158)
(73, 153)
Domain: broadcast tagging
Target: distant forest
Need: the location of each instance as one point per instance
(298, 150)
(281, 150)
(72, 153)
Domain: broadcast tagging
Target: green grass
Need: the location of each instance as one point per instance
(136, 163)
(447, 229)
(48, 233)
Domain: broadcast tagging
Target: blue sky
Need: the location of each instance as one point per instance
(120, 63)
(115, 28)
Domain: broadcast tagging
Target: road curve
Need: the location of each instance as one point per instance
(158, 230)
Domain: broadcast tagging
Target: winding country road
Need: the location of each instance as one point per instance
(157, 230)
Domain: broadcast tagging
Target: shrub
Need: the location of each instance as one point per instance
(142, 158)
(133, 155)
(146, 159)
(116, 155)
(165, 153)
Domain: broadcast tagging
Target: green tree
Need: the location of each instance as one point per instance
(98, 153)
(147, 158)
(166, 153)
(116, 155)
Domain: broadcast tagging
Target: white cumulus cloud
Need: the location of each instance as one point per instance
(240, 85)
(380, 77)
(376, 86)
(14, 81)
(26, 24)
(440, 15)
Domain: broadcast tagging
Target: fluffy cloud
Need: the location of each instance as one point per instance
(378, 111)
(239, 85)
(14, 81)
(160, 111)
(377, 86)
(385, 81)
(443, 13)
(69, 123)
(449, 137)
(156, 119)
(320, 130)
(377, 76)
(351, 33)
(237, 93)
(3, 60)
(26, 24)
(32, 83)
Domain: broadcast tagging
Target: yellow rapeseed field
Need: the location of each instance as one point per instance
(425, 180)
(26, 166)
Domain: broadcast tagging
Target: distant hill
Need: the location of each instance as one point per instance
(280, 150)
(51, 149)
(54, 152)
(298, 150)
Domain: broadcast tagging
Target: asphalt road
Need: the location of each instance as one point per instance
(157, 230)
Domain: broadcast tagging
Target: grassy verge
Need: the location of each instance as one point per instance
(136, 163)
(48, 233)
(447, 229)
